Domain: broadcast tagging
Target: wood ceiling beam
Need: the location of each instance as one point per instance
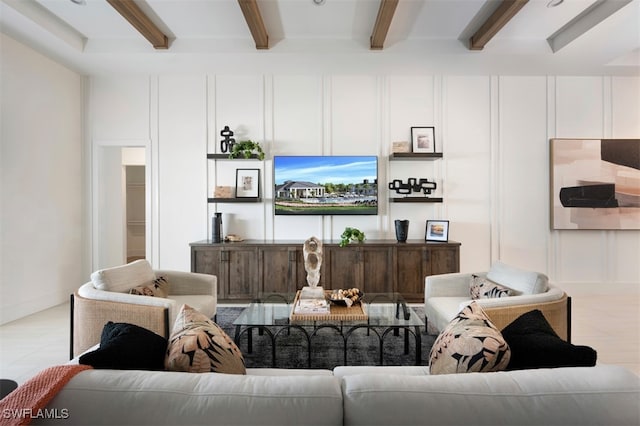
(498, 19)
(254, 21)
(141, 22)
(383, 22)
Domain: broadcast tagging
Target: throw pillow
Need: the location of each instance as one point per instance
(519, 280)
(469, 343)
(198, 345)
(126, 346)
(484, 288)
(534, 344)
(158, 288)
(123, 278)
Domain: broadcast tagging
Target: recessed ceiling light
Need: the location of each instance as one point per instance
(554, 3)
(318, 2)
(79, 2)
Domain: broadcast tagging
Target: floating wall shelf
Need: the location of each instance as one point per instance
(415, 155)
(226, 157)
(234, 200)
(416, 200)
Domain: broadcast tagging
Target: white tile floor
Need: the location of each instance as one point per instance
(609, 322)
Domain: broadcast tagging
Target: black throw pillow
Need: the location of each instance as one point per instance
(534, 344)
(127, 347)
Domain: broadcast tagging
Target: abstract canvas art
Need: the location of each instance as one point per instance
(595, 183)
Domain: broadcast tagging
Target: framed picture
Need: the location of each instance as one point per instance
(594, 184)
(247, 183)
(423, 139)
(437, 230)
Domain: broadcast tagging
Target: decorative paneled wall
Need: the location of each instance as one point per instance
(494, 177)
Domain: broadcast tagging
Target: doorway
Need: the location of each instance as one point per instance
(121, 206)
(135, 212)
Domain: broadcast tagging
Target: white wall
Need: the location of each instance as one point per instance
(494, 132)
(41, 164)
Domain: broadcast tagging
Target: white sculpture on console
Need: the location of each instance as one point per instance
(312, 251)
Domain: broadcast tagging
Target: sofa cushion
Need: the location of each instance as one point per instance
(157, 288)
(124, 278)
(470, 343)
(534, 344)
(199, 345)
(484, 288)
(126, 346)
(519, 280)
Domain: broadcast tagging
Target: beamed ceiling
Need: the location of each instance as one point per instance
(575, 36)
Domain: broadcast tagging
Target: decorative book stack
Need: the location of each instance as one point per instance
(312, 300)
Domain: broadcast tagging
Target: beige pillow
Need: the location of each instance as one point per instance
(469, 343)
(124, 278)
(484, 288)
(198, 345)
(158, 288)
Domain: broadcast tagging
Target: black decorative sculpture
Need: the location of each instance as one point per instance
(227, 143)
(413, 185)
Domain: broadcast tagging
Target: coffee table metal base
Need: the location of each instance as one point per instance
(381, 333)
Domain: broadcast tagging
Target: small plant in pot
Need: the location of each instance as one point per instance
(244, 149)
(351, 235)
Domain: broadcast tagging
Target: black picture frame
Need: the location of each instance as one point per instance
(437, 230)
(423, 139)
(248, 183)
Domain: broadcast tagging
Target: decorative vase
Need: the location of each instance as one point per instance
(402, 230)
(216, 228)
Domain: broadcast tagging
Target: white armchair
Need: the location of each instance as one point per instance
(106, 298)
(445, 296)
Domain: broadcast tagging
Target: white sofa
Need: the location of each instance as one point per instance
(600, 395)
(106, 298)
(445, 295)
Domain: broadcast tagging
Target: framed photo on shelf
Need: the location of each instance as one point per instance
(437, 230)
(247, 183)
(423, 139)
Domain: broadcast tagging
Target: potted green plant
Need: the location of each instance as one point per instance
(244, 149)
(351, 235)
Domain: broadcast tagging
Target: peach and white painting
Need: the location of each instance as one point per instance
(595, 183)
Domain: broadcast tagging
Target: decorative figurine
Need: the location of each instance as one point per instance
(312, 251)
(227, 143)
(413, 185)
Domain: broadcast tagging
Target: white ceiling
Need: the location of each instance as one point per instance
(432, 35)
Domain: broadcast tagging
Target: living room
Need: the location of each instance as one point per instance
(493, 123)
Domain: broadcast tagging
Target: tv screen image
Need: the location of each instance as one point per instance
(326, 185)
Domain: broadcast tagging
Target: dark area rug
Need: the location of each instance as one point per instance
(327, 347)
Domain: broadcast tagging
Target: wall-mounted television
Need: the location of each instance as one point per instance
(325, 185)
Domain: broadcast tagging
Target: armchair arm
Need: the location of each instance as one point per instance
(189, 283)
(88, 318)
(448, 285)
(89, 292)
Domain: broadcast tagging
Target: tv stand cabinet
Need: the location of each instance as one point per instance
(247, 268)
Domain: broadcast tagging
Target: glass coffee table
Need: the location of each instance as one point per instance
(385, 313)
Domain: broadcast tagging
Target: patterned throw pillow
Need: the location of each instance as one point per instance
(484, 288)
(158, 288)
(198, 345)
(469, 343)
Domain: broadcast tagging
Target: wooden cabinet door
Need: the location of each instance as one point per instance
(206, 260)
(412, 268)
(377, 269)
(444, 260)
(278, 269)
(241, 265)
(341, 267)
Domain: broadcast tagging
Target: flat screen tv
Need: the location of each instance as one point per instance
(326, 185)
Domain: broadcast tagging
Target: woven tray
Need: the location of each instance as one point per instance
(337, 313)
